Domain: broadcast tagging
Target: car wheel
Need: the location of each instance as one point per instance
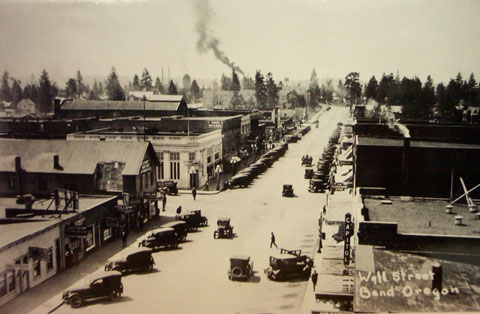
(237, 271)
(175, 245)
(149, 267)
(115, 295)
(75, 301)
(215, 235)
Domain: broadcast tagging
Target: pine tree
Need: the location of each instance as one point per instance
(113, 87)
(80, 86)
(158, 85)
(428, 98)
(195, 90)
(272, 91)
(172, 89)
(71, 88)
(314, 89)
(31, 92)
(136, 83)
(95, 92)
(371, 89)
(260, 90)
(353, 87)
(45, 93)
(5, 91)
(17, 93)
(146, 81)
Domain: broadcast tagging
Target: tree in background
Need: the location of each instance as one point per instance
(385, 88)
(195, 90)
(71, 88)
(136, 83)
(237, 99)
(427, 98)
(272, 91)
(260, 90)
(187, 81)
(371, 89)
(329, 90)
(5, 91)
(471, 91)
(226, 83)
(353, 87)
(113, 87)
(340, 91)
(17, 93)
(248, 83)
(146, 83)
(410, 98)
(46, 93)
(235, 82)
(31, 91)
(158, 85)
(81, 88)
(172, 89)
(314, 90)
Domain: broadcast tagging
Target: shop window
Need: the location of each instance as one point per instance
(191, 156)
(50, 259)
(217, 155)
(209, 159)
(37, 269)
(11, 280)
(107, 234)
(3, 285)
(90, 239)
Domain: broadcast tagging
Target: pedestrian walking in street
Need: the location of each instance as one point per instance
(194, 193)
(124, 238)
(179, 210)
(314, 279)
(206, 186)
(164, 201)
(272, 242)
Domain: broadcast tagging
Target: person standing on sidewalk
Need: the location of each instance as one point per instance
(314, 279)
(164, 201)
(272, 241)
(124, 238)
(194, 193)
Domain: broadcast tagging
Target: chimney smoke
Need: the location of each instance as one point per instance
(392, 123)
(206, 41)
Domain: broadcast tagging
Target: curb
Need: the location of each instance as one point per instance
(200, 192)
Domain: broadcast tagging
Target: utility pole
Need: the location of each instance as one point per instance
(144, 135)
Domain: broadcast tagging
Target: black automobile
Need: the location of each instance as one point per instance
(131, 259)
(98, 285)
(317, 185)
(191, 220)
(170, 187)
(241, 267)
(289, 263)
(160, 238)
(287, 190)
(239, 180)
(308, 173)
(180, 228)
(224, 230)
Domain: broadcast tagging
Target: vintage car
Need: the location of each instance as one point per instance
(267, 161)
(191, 220)
(202, 220)
(239, 180)
(224, 229)
(180, 228)
(241, 267)
(160, 238)
(307, 161)
(289, 263)
(131, 259)
(317, 185)
(287, 190)
(97, 285)
(169, 187)
(308, 173)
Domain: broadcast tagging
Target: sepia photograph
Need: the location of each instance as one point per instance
(239, 156)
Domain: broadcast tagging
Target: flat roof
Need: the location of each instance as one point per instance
(12, 232)
(423, 216)
(405, 283)
(378, 141)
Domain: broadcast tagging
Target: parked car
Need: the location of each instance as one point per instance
(202, 220)
(241, 180)
(160, 237)
(180, 228)
(317, 185)
(287, 190)
(224, 229)
(308, 173)
(289, 263)
(131, 259)
(241, 267)
(191, 220)
(169, 186)
(98, 285)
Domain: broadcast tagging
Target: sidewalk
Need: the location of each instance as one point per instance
(41, 299)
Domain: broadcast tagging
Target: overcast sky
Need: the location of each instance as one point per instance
(286, 37)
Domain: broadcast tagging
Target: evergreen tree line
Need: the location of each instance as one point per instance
(423, 100)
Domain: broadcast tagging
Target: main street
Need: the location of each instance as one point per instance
(193, 279)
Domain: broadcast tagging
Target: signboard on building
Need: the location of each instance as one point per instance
(150, 195)
(37, 252)
(76, 231)
(18, 266)
(348, 234)
(215, 123)
(146, 166)
(112, 222)
(125, 209)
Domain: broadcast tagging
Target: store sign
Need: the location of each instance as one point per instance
(348, 234)
(76, 231)
(17, 266)
(124, 208)
(146, 166)
(150, 195)
(215, 123)
(37, 252)
(112, 222)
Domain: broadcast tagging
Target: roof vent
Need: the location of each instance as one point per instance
(448, 209)
(472, 208)
(458, 220)
(56, 162)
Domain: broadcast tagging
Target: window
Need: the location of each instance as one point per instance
(37, 269)
(174, 170)
(12, 181)
(11, 280)
(174, 156)
(160, 171)
(160, 155)
(42, 182)
(50, 259)
(217, 155)
(209, 159)
(107, 234)
(3, 285)
(191, 156)
(90, 239)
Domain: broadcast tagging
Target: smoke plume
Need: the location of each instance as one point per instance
(206, 41)
(387, 114)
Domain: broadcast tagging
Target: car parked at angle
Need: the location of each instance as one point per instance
(97, 285)
(239, 180)
(288, 264)
(224, 229)
(160, 238)
(180, 228)
(202, 220)
(131, 259)
(241, 267)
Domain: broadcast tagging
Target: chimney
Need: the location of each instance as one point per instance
(18, 163)
(56, 162)
(405, 166)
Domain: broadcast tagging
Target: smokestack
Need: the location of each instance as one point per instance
(56, 162)
(405, 166)
(19, 170)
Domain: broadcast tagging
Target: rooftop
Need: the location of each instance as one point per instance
(375, 141)
(423, 217)
(12, 232)
(170, 103)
